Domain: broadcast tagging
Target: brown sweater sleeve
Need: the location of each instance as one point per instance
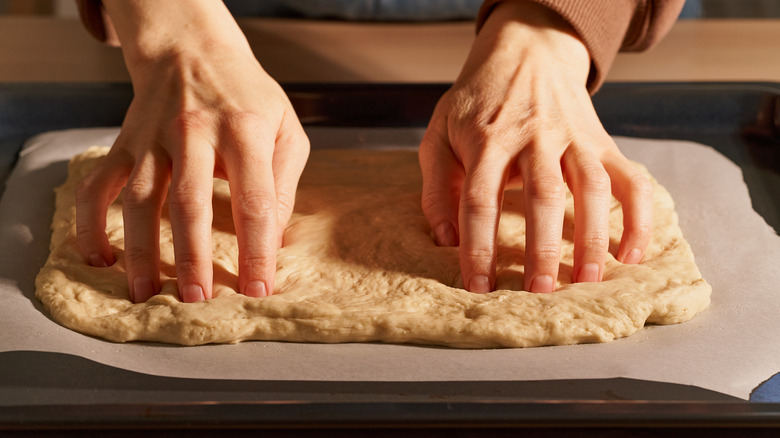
(608, 26)
(97, 21)
(605, 26)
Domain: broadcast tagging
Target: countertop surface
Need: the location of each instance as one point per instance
(60, 50)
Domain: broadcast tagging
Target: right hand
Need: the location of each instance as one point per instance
(519, 115)
(203, 108)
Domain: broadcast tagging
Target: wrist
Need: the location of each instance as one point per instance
(526, 31)
(152, 31)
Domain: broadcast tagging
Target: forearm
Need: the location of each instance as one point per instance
(151, 30)
(525, 32)
(607, 26)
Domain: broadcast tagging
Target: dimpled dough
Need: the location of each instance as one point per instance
(359, 265)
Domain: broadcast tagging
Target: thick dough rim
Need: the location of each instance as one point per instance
(336, 282)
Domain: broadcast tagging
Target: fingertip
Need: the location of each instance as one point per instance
(93, 195)
(143, 289)
(441, 189)
(480, 284)
(98, 261)
(445, 234)
(257, 289)
(588, 273)
(192, 293)
(635, 192)
(633, 257)
(542, 284)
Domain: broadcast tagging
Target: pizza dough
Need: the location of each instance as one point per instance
(360, 265)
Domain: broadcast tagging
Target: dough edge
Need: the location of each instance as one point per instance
(445, 316)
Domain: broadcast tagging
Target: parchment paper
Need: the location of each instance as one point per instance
(731, 348)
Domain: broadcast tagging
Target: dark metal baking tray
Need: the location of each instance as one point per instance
(741, 120)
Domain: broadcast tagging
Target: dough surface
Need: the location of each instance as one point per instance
(359, 265)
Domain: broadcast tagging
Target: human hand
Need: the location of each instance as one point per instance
(519, 114)
(203, 108)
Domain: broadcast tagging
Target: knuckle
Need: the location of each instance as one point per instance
(641, 231)
(253, 204)
(84, 192)
(480, 256)
(256, 260)
(137, 195)
(242, 118)
(190, 121)
(189, 264)
(88, 222)
(546, 254)
(87, 193)
(301, 145)
(545, 187)
(437, 202)
(478, 132)
(428, 149)
(476, 202)
(641, 186)
(476, 127)
(285, 202)
(242, 121)
(435, 140)
(137, 256)
(303, 142)
(186, 203)
(595, 180)
(595, 241)
(85, 232)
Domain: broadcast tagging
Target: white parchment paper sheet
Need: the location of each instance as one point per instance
(731, 348)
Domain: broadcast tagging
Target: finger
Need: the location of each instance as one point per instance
(545, 196)
(442, 176)
(93, 196)
(590, 186)
(143, 200)
(249, 168)
(635, 193)
(189, 205)
(290, 155)
(479, 210)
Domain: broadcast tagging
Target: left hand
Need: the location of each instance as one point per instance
(203, 108)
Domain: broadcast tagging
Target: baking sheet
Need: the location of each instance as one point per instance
(730, 348)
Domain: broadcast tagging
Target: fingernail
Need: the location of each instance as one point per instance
(589, 273)
(445, 235)
(633, 257)
(479, 284)
(143, 289)
(255, 289)
(97, 260)
(543, 284)
(192, 293)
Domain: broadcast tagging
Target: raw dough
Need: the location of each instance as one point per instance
(359, 265)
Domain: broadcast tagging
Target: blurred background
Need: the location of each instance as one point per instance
(693, 8)
(63, 8)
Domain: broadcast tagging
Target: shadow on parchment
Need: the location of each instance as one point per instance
(31, 377)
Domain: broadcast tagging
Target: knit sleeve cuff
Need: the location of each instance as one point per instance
(607, 26)
(96, 21)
